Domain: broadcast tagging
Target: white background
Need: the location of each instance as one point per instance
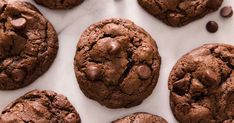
(172, 43)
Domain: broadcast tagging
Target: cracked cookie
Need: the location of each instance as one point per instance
(59, 4)
(40, 106)
(117, 63)
(201, 85)
(178, 13)
(141, 117)
(28, 44)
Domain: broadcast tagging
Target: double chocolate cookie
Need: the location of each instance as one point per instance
(202, 85)
(59, 4)
(40, 107)
(141, 117)
(117, 63)
(28, 44)
(179, 12)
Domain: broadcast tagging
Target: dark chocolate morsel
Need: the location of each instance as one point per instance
(93, 72)
(113, 47)
(212, 26)
(144, 72)
(226, 11)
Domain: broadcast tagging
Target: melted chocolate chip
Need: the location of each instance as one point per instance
(93, 72)
(19, 23)
(18, 75)
(144, 72)
(113, 47)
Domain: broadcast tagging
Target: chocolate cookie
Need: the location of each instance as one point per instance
(40, 107)
(177, 13)
(59, 4)
(141, 117)
(117, 63)
(28, 44)
(202, 85)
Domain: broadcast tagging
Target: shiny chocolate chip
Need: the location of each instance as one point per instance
(226, 11)
(113, 47)
(19, 23)
(93, 72)
(144, 72)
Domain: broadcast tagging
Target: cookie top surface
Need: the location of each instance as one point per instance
(117, 63)
(40, 106)
(141, 117)
(179, 12)
(202, 85)
(59, 4)
(28, 44)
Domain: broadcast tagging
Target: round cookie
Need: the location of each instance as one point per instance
(40, 107)
(178, 13)
(117, 63)
(141, 117)
(59, 4)
(28, 44)
(202, 85)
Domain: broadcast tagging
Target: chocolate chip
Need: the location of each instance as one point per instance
(113, 47)
(18, 23)
(181, 86)
(196, 86)
(93, 72)
(211, 78)
(144, 72)
(71, 118)
(226, 11)
(213, 4)
(18, 75)
(212, 26)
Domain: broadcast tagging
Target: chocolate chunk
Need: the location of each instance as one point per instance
(113, 47)
(212, 26)
(210, 78)
(19, 23)
(144, 72)
(93, 72)
(196, 86)
(226, 11)
(181, 86)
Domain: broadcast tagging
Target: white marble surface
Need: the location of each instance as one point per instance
(172, 43)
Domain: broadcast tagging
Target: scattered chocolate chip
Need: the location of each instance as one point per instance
(226, 11)
(213, 4)
(113, 47)
(212, 26)
(18, 23)
(93, 72)
(144, 72)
